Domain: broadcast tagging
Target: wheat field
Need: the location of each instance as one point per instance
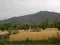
(43, 34)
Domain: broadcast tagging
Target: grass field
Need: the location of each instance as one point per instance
(28, 44)
(43, 37)
(43, 34)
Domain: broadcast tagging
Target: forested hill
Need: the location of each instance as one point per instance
(33, 18)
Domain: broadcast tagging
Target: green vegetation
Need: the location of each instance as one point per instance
(13, 29)
(44, 24)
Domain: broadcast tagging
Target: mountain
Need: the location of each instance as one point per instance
(33, 18)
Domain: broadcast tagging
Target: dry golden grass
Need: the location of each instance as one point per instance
(43, 34)
(4, 32)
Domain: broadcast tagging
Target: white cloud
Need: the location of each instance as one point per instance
(11, 8)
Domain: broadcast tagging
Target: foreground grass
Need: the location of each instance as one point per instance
(50, 41)
(31, 42)
(27, 44)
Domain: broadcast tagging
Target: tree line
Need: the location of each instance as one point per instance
(44, 24)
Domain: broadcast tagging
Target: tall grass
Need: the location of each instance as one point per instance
(34, 37)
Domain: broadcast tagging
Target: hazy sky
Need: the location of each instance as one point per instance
(11, 8)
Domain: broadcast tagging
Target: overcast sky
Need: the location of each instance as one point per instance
(12, 8)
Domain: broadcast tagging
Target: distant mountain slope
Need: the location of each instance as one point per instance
(33, 18)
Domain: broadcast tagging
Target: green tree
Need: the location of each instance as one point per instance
(2, 27)
(57, 24)
(25, 26)
(44, 24)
